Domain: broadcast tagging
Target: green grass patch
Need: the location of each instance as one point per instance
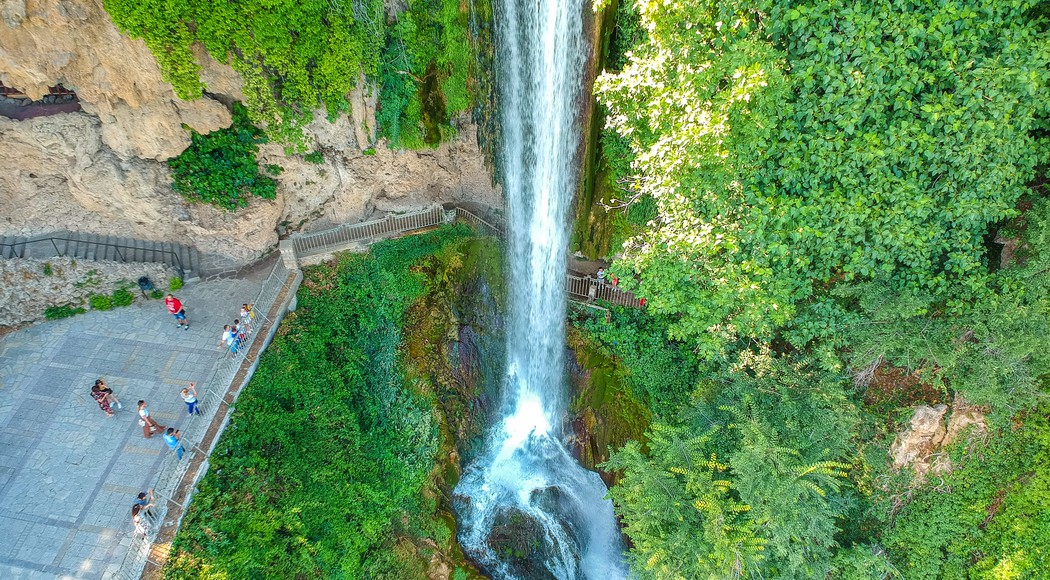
(60, 312)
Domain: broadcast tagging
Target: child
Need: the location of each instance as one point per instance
(238, 329)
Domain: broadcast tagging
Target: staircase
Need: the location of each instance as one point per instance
(91, 247)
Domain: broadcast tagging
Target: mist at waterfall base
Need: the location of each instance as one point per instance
(525, 507)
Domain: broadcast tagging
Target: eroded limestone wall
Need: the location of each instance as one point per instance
(101, 170)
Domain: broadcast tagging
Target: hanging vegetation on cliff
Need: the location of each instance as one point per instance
(295, 56)
(220, 168)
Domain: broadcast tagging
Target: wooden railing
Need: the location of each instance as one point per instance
(345, 236)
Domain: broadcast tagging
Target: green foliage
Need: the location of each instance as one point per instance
(993, 354)
(989, 518)
(628, 34)
(677, 507)
(60, 312)
(297, 55)
(423, 73)
(175, 284)
(156, 294)
(293, 55)
(794, 145)
(48, 271)
(220, 168)
(330, 444)
(660, 373)
(315, 157)
(750, 485)
(122, 297)
(100, 302)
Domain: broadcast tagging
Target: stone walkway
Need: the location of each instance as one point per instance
(68, 473)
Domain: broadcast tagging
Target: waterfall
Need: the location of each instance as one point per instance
(526, 508)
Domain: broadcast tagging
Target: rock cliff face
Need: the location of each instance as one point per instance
(61, 176)
(100, 170)
(74, 42)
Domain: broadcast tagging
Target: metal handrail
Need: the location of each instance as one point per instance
(344, 235)
(340, 237)
(59, 252)
(591, 289)
(173, 471)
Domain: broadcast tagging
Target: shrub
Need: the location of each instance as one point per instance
(121, 297)
(100, 302)
(60, 312)
(47, 269)
(316, 157)
(220, 168)
(175, 284)
(329, 424)
(156, 294)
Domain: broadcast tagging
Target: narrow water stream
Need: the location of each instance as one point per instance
(525, 507)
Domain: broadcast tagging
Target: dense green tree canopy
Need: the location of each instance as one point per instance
(748, 487)
(790, 145)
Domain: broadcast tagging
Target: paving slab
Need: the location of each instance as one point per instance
(69, 474)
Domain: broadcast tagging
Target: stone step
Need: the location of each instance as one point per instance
(90, 247)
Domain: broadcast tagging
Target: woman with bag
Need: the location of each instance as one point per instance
(110, 396)
(148, 424)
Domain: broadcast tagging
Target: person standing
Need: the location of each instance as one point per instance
(139, 519)
(189, 396)
(228, 339)
(175, 307)
(149, 425)
(145, 499)
(238, 330)
(172, 437)
(246, 318)
(110, 396)
(601, 276)
(101, 399)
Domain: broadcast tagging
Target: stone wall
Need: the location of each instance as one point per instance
(28, 287)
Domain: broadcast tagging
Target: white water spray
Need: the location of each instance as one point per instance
(526, 508)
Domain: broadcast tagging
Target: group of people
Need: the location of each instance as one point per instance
(234, 335)
(107, 401)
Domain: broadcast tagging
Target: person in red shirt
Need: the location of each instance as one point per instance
(175, 307)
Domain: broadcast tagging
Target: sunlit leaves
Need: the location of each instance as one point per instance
(789, 145)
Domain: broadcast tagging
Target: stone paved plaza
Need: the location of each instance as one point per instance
(68, 473)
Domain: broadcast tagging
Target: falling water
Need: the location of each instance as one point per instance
(526, 507)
